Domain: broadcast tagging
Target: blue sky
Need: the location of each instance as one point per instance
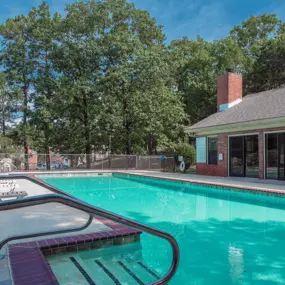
(211, 19)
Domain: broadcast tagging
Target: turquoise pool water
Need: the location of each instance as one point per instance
(225, 237)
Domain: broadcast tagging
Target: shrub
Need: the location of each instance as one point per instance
(187, 151)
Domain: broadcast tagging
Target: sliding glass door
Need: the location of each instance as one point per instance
(275, 151)
(244, 156)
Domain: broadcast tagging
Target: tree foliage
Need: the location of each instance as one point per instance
(99, 73)
(102, 78)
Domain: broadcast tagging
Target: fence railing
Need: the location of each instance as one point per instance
(56, 161)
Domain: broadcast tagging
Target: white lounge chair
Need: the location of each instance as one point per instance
(7, 182)
(13, 194)
(8, 186)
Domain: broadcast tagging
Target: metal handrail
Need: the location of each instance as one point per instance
(41, 234)
(77, 204)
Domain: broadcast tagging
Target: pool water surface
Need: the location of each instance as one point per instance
(225, 237)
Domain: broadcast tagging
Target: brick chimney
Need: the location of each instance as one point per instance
(229, 90)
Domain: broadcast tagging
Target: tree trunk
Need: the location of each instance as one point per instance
(3, 117)
(47, 157)
(150, 145)
(46, 126)
(25, 110)
(3, 126)
(4, 121)
(127, 128)
(86, 132)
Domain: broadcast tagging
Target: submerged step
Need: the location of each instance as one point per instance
(153, 273)
(120, 265)
(70, 270)
(130, 272)
(108, 272)
(82, 271)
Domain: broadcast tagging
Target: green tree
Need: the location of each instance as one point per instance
(251, 34)
(196, 66)
(9, 105)
(268, 70)
(256, 29)
(17, 57)
(44, 33)
(115, 81)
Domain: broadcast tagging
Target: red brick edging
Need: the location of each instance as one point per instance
(29, 265)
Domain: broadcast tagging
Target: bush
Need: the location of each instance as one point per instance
(187, 151)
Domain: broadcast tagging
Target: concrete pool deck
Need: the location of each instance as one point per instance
(240, 182)
(46, 217)
(225, 181)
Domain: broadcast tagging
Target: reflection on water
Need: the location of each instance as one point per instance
(236, 263)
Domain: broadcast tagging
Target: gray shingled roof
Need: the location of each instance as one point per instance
(264, 105)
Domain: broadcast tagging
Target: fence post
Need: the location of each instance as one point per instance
(136, 162)
(174, 165)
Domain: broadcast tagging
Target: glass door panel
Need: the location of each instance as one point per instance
(281, 152)
(237, 156)
(272, 156)
(251, 156)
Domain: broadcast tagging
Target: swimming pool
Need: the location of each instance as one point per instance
(225, 237)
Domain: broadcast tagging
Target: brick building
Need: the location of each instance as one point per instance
(246, 136)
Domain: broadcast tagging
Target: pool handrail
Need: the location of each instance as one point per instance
(91, 210)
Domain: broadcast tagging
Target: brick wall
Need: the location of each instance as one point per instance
(221, 169)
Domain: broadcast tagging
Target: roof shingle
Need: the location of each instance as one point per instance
(264, 105)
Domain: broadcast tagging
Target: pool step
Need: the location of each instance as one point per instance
(104, 272)
(118, 265)
(122, 272)
(69, 271)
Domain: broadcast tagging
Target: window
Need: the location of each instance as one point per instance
(212, 151)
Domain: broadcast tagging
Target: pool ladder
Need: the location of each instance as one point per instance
(91, 210)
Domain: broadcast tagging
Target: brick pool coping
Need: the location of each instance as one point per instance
(30, 267)
(241, 188)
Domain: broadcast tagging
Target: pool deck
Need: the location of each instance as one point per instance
(242, 182)
(239, 182)
(46, 217)
(56, 216)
